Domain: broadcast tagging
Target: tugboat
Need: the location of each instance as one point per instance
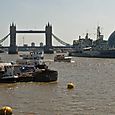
(43, 74)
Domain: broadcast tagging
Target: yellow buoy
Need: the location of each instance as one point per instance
(70, 85)
(6, 110)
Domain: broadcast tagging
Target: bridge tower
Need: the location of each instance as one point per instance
(13, 47)
(48, 32)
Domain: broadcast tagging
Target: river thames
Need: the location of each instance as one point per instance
(93, 94)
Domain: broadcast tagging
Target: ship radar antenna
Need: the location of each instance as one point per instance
(98, 32)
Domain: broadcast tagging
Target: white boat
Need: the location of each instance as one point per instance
(33, 55)
(62, 58)
(7, 73)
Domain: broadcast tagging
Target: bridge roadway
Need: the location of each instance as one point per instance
(30, 31)
(27, 48)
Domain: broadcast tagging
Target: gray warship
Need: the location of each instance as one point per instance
(100, 48)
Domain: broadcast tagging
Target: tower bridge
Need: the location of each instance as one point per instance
(48, 38)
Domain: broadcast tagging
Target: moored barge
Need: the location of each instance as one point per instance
(26, 73)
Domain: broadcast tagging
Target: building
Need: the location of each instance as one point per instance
(32, 44)
(111, 40)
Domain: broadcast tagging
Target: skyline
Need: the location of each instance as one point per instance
(69, 19)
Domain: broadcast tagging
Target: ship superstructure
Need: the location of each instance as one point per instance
(86, 47)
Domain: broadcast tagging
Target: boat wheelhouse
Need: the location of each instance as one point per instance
(62, 58)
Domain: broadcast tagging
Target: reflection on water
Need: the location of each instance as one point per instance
(93, 94)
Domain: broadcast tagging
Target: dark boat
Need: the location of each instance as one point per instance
(45, 75)
(26, 73)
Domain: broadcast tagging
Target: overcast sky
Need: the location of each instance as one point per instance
(69, 18)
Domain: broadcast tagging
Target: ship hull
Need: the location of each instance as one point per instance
(38, 76)
(94, 54)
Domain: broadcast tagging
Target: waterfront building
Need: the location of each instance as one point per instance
(32, 44)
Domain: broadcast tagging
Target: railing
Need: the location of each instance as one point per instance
(3, 39)
(60, 41)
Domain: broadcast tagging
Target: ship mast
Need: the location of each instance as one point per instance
(98, 32)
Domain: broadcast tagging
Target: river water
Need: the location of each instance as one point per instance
(94, 92)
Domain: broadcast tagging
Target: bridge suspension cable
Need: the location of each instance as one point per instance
(59, 40)
(3, 39)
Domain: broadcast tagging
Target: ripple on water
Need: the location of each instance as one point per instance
(93, 94)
